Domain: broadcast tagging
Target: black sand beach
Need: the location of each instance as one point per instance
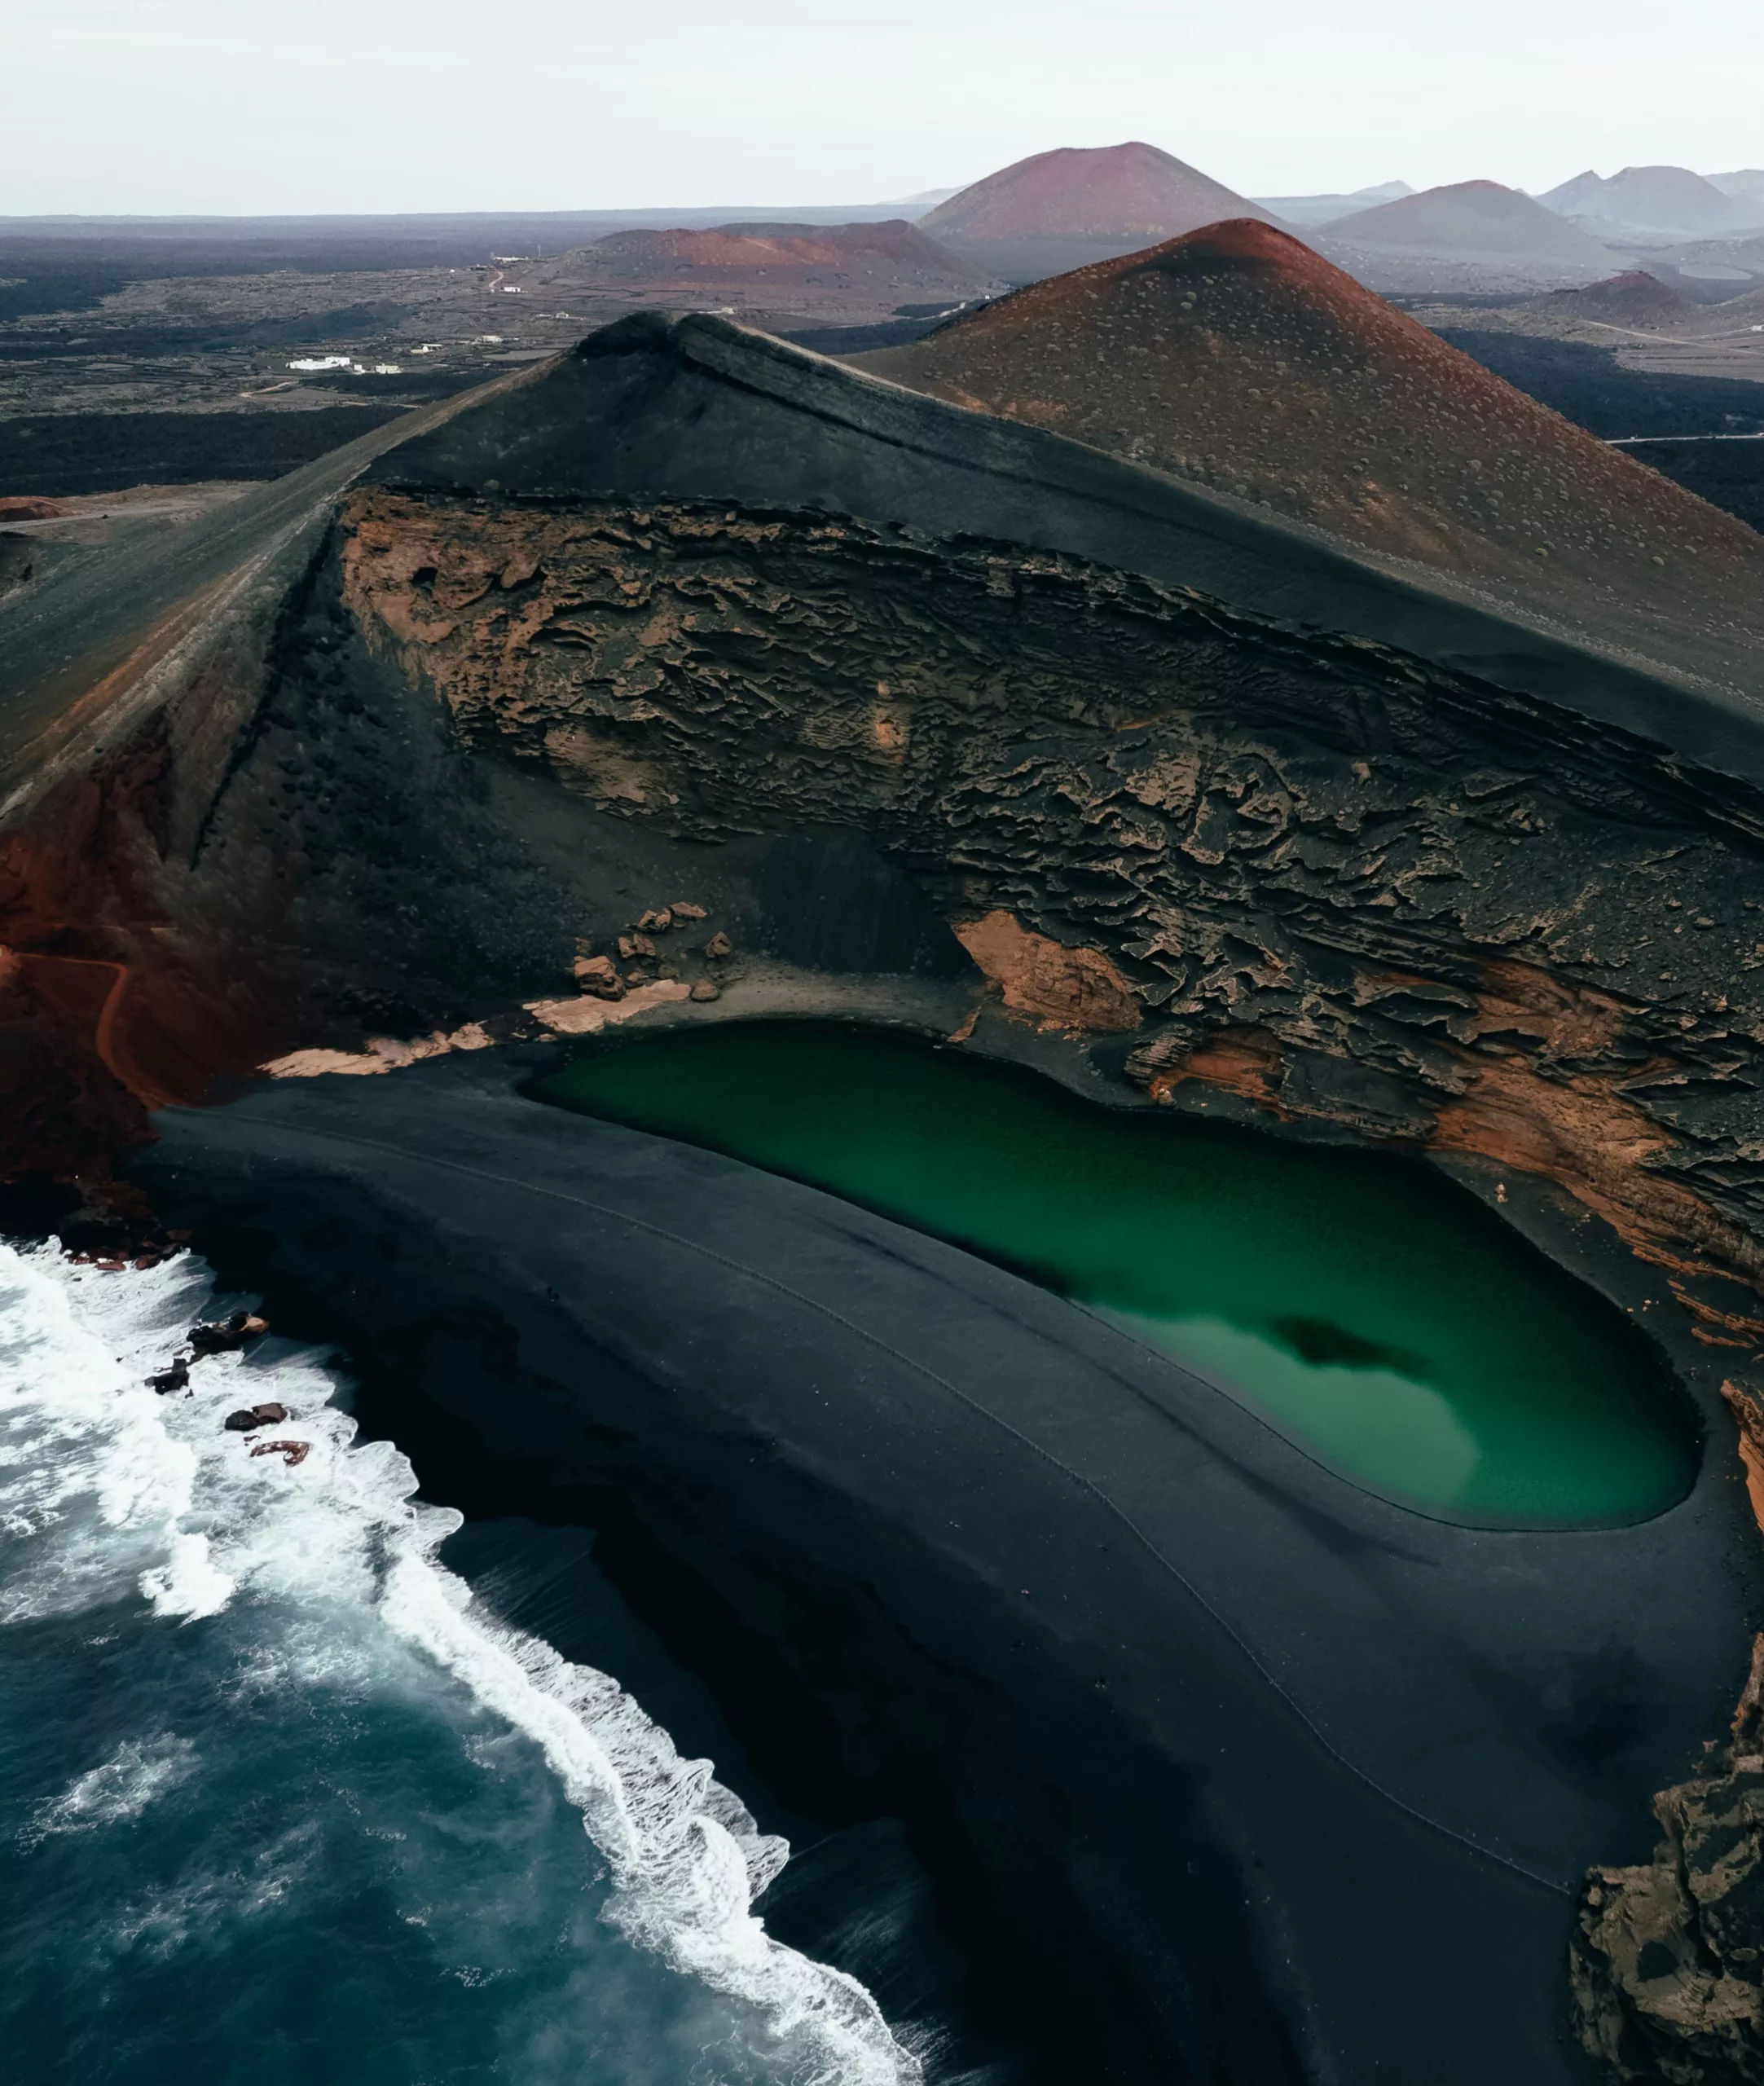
(1248, 1775)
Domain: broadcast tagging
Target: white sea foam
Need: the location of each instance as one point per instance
(109, 1490)
(120, 1787)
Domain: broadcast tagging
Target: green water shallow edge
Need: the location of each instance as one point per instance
(1370, 1310)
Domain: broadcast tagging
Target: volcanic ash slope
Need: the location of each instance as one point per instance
(1237, 357)
(1065, 208)
(778, 257)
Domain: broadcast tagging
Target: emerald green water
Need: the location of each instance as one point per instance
(1375, 1314)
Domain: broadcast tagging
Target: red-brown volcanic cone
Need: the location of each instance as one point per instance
(781, 253)
(1117, 192)
(1238, 357)
(1633, 298)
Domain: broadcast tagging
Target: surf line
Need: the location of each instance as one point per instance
(1087, 1485)
(683, 1854)
(1634, 441)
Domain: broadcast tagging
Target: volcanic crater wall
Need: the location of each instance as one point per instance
(1346, 884)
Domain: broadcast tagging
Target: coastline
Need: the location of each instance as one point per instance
(1259, 1772)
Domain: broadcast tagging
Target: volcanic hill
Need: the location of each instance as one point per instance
(1238, 358)
(1635, 302)
(1062, 210)
(1669, 199)
(1633, 298)
(894, 253)
(776, 275)
(1474, 220)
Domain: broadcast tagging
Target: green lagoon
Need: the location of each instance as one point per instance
(1373, 1313)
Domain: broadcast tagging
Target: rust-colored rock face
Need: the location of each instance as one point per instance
(1238, 358)
(1060, 988)
(109, 1006)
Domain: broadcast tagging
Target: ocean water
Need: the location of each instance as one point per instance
(282, 1800)
(1370, 1310)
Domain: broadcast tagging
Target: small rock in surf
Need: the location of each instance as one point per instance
(226, 1336)
(290, 1452)
(248, 1418)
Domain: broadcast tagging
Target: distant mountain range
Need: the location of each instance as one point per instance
(1302, 210)
(1670, 200)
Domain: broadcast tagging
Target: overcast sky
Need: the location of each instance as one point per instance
(126, 106)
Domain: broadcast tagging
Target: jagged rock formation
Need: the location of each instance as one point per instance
(1454, 927)
(1668, 1959)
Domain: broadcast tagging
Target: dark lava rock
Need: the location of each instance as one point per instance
(225, 1336)
(1668, 1959)
(248, 1418)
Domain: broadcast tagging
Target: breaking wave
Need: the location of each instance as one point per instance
(113, 1495)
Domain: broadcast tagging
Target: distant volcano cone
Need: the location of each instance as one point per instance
(1474, 220)
(1633, 298)
(1061, 209)
(1238, 357)
(894, 253)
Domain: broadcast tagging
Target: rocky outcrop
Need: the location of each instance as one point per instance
(1668, 1959)
(1350, 888)
(1059, 987)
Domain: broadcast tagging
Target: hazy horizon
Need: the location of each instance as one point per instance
(189, 107)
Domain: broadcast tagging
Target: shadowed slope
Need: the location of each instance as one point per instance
(1237, 357)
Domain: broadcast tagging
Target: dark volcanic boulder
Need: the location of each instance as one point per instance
(249, 1418)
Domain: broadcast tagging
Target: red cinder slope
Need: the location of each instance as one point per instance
(780, 253)
(1131, 192)
(1237, 357)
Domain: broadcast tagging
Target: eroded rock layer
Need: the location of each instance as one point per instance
(1341, 886)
